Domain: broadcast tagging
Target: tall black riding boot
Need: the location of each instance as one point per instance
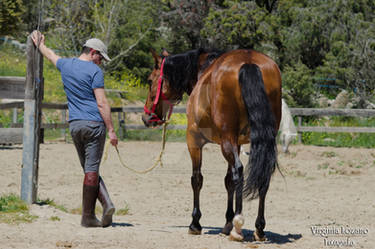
(90, 194)
(108, 207)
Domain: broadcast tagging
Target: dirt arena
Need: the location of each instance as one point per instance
(326, 200)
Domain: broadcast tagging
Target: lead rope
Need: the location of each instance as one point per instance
(156, 163)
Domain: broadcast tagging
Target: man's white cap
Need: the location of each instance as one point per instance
(98, 45)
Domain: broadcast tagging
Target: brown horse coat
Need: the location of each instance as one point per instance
(209, 116)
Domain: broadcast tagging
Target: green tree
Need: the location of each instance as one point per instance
(270, 5)
(138, 29)
(11, 12)
(184, 20)
(128, 27)
(297, 85)
(334, 39)
(238, 25)
(351, 57)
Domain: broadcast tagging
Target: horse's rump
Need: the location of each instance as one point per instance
(216, 100)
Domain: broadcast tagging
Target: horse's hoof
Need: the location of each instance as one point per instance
(238, 221)
(195, 230)
(257, 237)
(235, 236)
(227, 228)
(236, 233)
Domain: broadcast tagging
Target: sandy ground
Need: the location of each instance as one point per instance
(324, 190)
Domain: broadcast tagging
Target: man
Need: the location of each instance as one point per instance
(89, 116)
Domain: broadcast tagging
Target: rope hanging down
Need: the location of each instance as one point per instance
(156, 163)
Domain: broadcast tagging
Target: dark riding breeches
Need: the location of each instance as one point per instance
(89, 140)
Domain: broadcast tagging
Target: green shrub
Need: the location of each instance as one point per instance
(297, 81)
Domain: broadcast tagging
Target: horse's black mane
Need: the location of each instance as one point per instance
(181, 70)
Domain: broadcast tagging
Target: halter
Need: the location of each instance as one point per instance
(154, 117)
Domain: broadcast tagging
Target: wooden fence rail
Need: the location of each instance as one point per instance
(358, 113)
(365, 113)
(63, 125)
(298, 112)
(12, 87)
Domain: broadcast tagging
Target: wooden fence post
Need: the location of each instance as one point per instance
(299, 128)
(63, 120)
(121, 124)
(32, 122)
(14, 120)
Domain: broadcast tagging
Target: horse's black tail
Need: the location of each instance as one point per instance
(263, 152)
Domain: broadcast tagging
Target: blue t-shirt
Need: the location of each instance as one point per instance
(80, 78)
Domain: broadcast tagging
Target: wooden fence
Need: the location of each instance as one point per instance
(15, 132)
(359, 113)
(13, 135)
(298, 112)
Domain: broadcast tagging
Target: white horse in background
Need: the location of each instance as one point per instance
(288, 131)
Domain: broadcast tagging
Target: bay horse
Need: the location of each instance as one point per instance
(235, 98)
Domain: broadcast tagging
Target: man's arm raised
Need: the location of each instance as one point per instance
(38, 39)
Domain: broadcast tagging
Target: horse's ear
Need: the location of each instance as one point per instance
(164, 52)
(157, 58)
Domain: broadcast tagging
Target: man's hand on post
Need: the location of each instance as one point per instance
(37, 37)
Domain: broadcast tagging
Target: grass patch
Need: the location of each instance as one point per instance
(52, 203)
(55, 218)
(76, 210)
(328, 154)
(13, 210)
(323, 166)
(341, 164)
(98, 210)
(123, 211)
(13, 61)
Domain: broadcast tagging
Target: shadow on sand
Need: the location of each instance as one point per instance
(10, 147)
(273, 238)
(121, 224)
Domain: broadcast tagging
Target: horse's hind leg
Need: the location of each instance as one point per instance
(195, 150)
(234, 183)
(229, 215)
(260, 222)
